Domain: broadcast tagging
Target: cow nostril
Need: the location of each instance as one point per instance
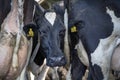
(62, 59)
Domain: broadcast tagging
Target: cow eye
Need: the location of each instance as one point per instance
(62, 33)
(42, 33)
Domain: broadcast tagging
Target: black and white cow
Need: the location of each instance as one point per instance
(50, 30)
(97, 23)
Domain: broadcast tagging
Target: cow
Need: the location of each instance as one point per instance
(97, 25)
(50, 33)
(13, 17)
(52, 36)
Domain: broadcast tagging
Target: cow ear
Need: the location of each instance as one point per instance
(30, 30)
(39, 10)
(58, 7)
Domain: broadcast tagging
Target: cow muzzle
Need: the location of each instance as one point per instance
(56, 61)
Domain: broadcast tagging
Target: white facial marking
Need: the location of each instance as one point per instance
(50, 16)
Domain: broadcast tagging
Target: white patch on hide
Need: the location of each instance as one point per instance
(116, 22)
(102, 55)
(82, 54)
(50, 16)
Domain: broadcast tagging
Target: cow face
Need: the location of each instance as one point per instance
(52, 32)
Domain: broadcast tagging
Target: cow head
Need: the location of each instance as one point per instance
(52, 31)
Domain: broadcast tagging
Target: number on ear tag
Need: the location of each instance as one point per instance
(74, 29)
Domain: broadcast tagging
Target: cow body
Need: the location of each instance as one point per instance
(98, 29)
(15, 58)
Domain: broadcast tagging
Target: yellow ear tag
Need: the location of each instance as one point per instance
(74, 29)
(30, 33)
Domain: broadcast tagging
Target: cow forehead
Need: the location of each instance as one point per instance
(50, 16)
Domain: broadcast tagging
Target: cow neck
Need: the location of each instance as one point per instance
(96, 3)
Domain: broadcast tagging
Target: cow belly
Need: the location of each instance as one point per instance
(10, 36)
(115, 63)
(6, 50)
(22, 57)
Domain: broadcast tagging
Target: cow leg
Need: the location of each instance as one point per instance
(43, 72)
(89, 75)
(116, 74)
(22, 75)
(100, 59)
(39, 72)
(53, 73)
(62, 71)
(78, 68)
